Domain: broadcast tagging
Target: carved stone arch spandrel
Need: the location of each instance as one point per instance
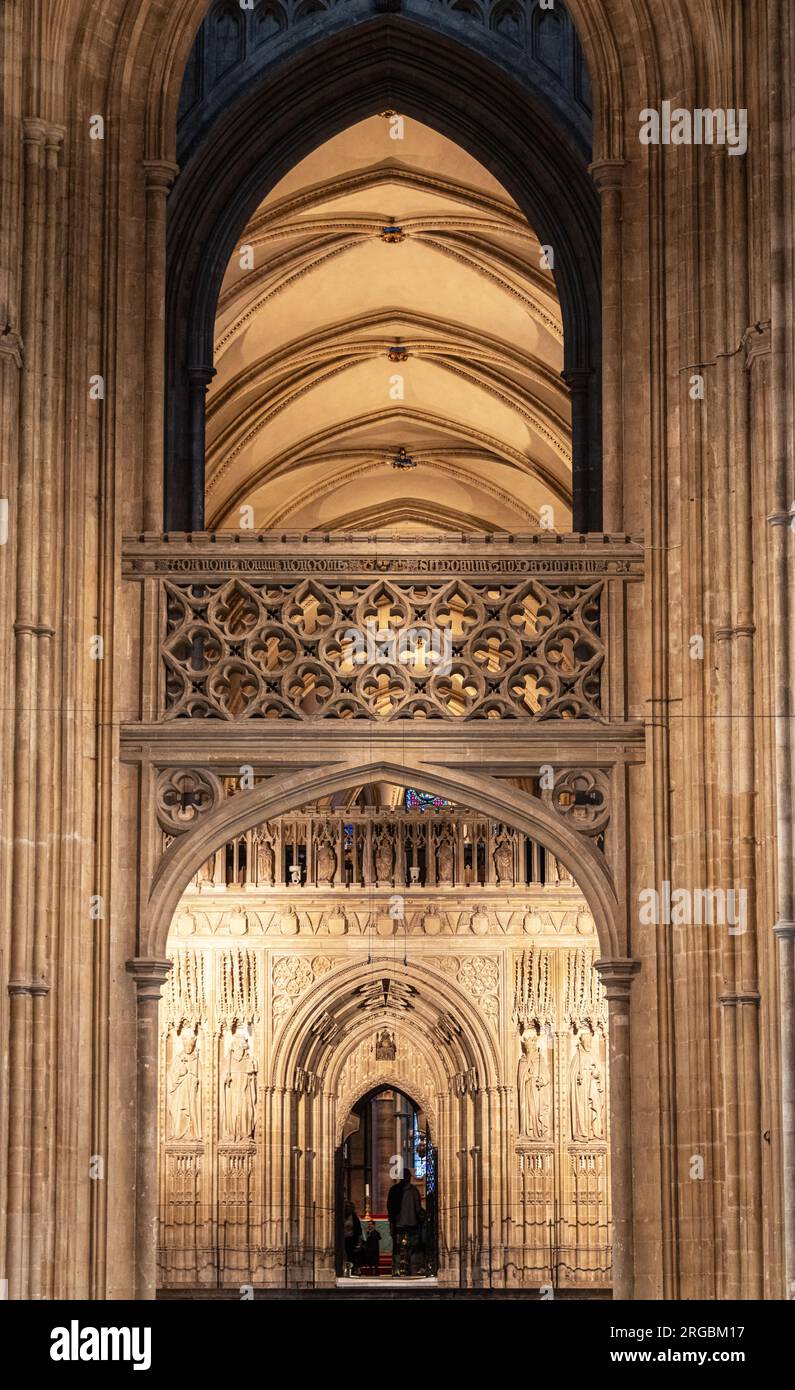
(483, 794)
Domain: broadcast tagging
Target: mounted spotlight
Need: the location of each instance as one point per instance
(402, 459)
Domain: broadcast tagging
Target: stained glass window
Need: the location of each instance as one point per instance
(419, 1147)
(424, 801)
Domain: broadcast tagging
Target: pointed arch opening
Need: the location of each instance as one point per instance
(367, 942)
(250, 149)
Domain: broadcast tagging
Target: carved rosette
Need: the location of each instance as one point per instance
(582, 798)
(184, 794)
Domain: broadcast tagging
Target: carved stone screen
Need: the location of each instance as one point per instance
(288, 973)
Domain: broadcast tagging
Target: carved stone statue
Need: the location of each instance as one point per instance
(503, 861)
(204, 877)
(532, 1078)
(445, 861)
(184, 1079)
(265, 864)
(383, 862)
(385, 1046)
(586, 1089)
(240, 1091)
(326, 864)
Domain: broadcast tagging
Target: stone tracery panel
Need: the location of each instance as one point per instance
(291, 976)
(479, 976)
(392, 649)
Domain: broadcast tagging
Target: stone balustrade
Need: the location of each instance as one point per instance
(359, 848)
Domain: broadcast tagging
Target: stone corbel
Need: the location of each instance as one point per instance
(11, 345)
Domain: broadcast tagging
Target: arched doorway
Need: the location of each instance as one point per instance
(302, 985)
(387, 1143)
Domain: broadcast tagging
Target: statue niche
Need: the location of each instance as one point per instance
(183, 1089)
(205, 876)
(384, 860)
(586, 1089)
(240, 1090)
(532, 1082)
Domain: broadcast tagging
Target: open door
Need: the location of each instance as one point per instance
(385, 1134)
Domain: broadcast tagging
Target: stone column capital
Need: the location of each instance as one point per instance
(578, 376)
(54, 136)
(34, 130)
(757, 341)
(159, 174)
(732, 998)
(149, 974)
(785, 931)
(200, 376)
(33, 987)
(783, 518)
(608, 174)
(617, 976)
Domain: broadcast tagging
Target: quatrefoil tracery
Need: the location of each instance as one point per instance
(385, 650)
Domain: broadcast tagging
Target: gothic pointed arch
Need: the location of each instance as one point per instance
(438, 1012)
(280, 794)
(386, 61)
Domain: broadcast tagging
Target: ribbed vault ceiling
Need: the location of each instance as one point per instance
(305, 413)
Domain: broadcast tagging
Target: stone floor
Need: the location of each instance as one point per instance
(369, 1289)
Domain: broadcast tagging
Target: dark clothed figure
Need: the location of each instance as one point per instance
(352, 1228)
(409, 1228)
(372, 1245)
(393, 1199)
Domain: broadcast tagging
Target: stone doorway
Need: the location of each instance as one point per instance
(304, 986)
(386, 1138)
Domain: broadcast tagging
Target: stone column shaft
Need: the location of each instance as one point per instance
(617, 978)
(159, 177)
(25, 731)
(608, 175)
(149, 976)
(782, 179)
(199, 378)
(47, 750)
